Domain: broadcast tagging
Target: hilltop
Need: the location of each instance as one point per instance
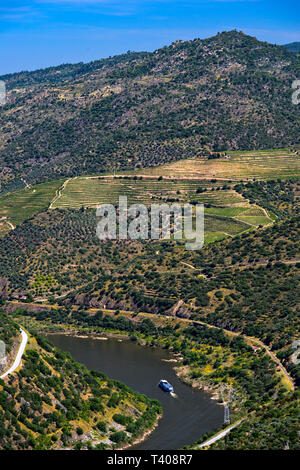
(227, 92)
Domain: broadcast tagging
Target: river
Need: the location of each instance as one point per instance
(185, 417)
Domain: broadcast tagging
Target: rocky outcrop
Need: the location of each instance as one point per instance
(3, 358)
(180, 310)
(11, 307)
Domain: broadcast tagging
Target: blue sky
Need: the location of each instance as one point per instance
(40, 33)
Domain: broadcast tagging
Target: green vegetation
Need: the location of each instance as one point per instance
(278, 197)
(191, 99)
(5, 227)
(52, 402)
(90, 192)
(61, 260)
(205, 358)
(272, 428)
(8, 332)
(24, 203)
(226, 212)
(173, 126)
(293, 47)
(241, 284)
(239, 165)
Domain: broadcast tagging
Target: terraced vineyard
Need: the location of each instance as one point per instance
(17, 206)
(94, 191)
(264, 164)
(226, 211)
(208, 182)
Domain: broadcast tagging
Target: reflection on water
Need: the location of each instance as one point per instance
(184, 419)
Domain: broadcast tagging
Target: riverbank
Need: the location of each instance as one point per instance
(143, 437)
(141, 369)
(182, 371)
(105, 336)
(76, 334)
(95, 441)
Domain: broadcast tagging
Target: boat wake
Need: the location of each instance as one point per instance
(173, 395)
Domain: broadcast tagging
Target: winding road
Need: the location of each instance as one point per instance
(218, 436)
(250, 339)
(59, 191)
(19, 355)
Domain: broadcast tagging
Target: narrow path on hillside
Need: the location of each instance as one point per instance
(59, 191)
(10, 224)
(252, 340)
(249, 265)
(274, 358)
(218, 436)
(28, 186)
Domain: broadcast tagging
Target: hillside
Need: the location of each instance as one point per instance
(227, 92)
(272, 428)
(52, 402)
(242, 284)
(55, 275)
(249, 291)
(293, 47)
(240, 190)
(8, 332)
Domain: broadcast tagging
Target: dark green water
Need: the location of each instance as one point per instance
(185, 417)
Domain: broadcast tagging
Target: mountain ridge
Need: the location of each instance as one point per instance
(227, 92)
(84, 67)
(293, 46)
